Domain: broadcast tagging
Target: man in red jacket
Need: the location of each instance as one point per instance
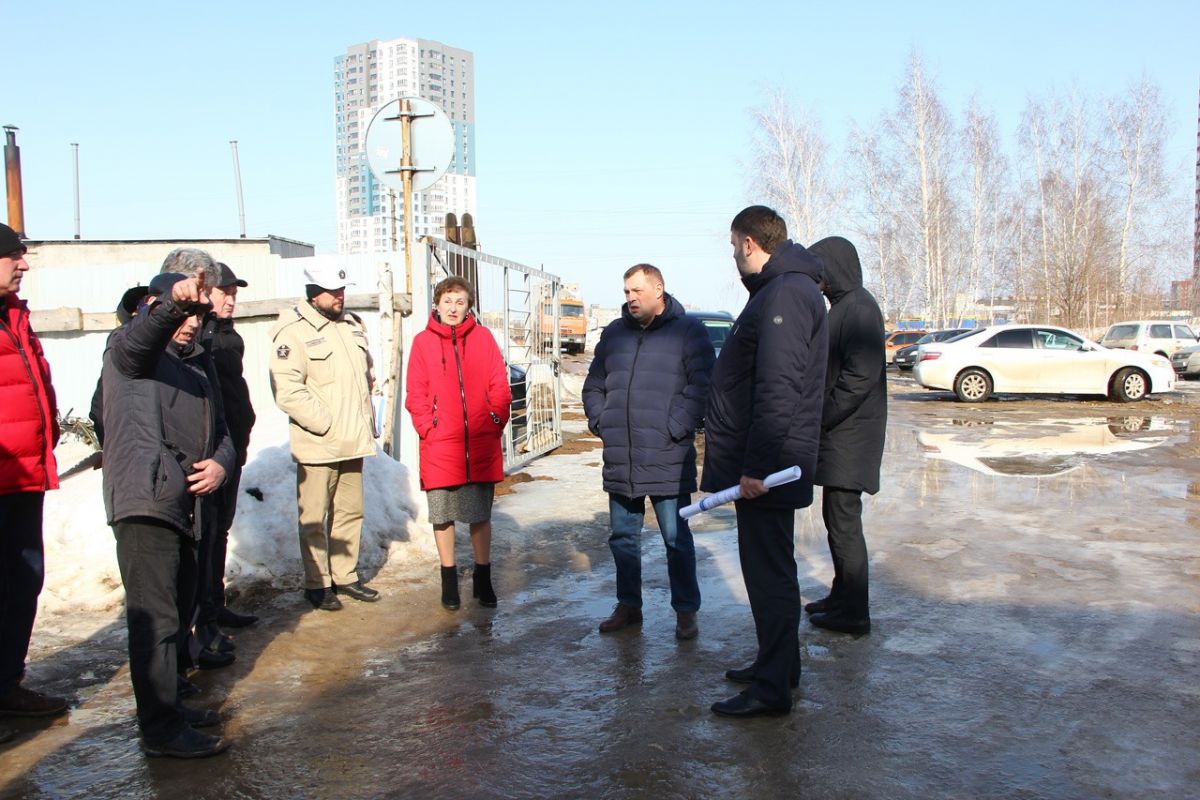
(28, 433)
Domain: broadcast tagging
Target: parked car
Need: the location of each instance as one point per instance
(1039, 359)
(1150, 336)
(1186, 362)
(897, 339)
(906, 357)
(717, 323)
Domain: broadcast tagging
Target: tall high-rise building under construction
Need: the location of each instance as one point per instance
(368, 76)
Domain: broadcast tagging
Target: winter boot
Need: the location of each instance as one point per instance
(481, 581)
(450, 588)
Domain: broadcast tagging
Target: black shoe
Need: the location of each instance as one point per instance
(450, 598)
(200, 717)
(826, 603)
(21, 702)
(232, 619)
(213, 659)
(214, 638)
(746, 675)
(841, 622)
(481, 586)
(323, 599)
(185, 688)
(190, 743)
(359, 591)
(743, 706)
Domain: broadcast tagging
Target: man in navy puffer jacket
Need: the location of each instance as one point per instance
(644, 397)
(764, 415)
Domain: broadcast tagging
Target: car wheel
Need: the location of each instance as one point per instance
(973, 385)
(1130, 385)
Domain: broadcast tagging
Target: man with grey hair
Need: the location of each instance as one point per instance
(186, 260)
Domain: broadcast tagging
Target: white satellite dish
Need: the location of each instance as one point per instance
(432, 143)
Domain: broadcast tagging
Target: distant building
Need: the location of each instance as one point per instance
(368, 76)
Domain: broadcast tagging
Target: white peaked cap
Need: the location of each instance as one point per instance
(328, 276)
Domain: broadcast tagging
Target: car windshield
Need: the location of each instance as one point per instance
(718, 330)
(927, 338)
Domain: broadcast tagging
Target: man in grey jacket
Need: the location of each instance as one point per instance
(166, 446)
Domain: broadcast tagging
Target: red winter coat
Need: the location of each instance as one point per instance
(28, 412)
(459, 398)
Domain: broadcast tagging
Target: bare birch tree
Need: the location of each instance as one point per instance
(985, 179)
(792, 168)
(920, 129)
(1137, 128)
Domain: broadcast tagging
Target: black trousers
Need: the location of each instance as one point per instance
(158, 568)
(842, 511)
(22, 572)
(766, 548)
(220, 510)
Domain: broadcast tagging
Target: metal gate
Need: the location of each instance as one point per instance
(519, 305)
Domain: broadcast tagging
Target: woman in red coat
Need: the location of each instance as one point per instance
(459, 398)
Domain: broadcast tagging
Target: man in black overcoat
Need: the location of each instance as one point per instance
(764, 415)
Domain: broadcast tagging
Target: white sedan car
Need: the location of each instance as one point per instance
(1038, 359)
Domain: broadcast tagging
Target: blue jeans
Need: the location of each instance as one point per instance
(626, 516)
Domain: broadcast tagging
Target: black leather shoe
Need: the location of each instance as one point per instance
(214, 638)
(746, 675)
(201, 717)
(743, 706)
(359, 591)
(323, 599)
(842, 623)
(190, 743)
(826, 603)
(185, 688)
(213, 659)
(232, 619)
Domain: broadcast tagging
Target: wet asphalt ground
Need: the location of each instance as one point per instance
(1035, 602)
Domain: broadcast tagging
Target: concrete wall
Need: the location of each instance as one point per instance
(92, 279)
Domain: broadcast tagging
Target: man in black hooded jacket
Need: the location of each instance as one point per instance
(853, 424)
(764, 415)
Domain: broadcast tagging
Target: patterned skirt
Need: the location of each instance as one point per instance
(470, 502)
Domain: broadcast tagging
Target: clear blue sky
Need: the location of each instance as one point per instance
(608, 133)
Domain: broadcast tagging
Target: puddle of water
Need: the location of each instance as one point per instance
(1042, 448)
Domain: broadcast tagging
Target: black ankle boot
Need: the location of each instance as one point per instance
(450, 588)
(481, 583)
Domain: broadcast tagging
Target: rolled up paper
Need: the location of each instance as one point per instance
(735, 492)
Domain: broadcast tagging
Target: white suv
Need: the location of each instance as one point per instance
(1163, 337)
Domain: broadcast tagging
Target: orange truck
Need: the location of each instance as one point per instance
(572, 322)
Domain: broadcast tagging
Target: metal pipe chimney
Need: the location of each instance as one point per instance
(75, 158)
(12, 174)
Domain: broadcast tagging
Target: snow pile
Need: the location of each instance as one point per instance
(81, 562)
(263, 544)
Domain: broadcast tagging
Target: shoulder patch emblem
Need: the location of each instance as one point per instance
(283, 351)
(778, 320)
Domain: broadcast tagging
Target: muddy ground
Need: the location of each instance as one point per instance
(1036, 612)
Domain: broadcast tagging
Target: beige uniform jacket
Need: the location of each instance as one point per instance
(321, 378)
